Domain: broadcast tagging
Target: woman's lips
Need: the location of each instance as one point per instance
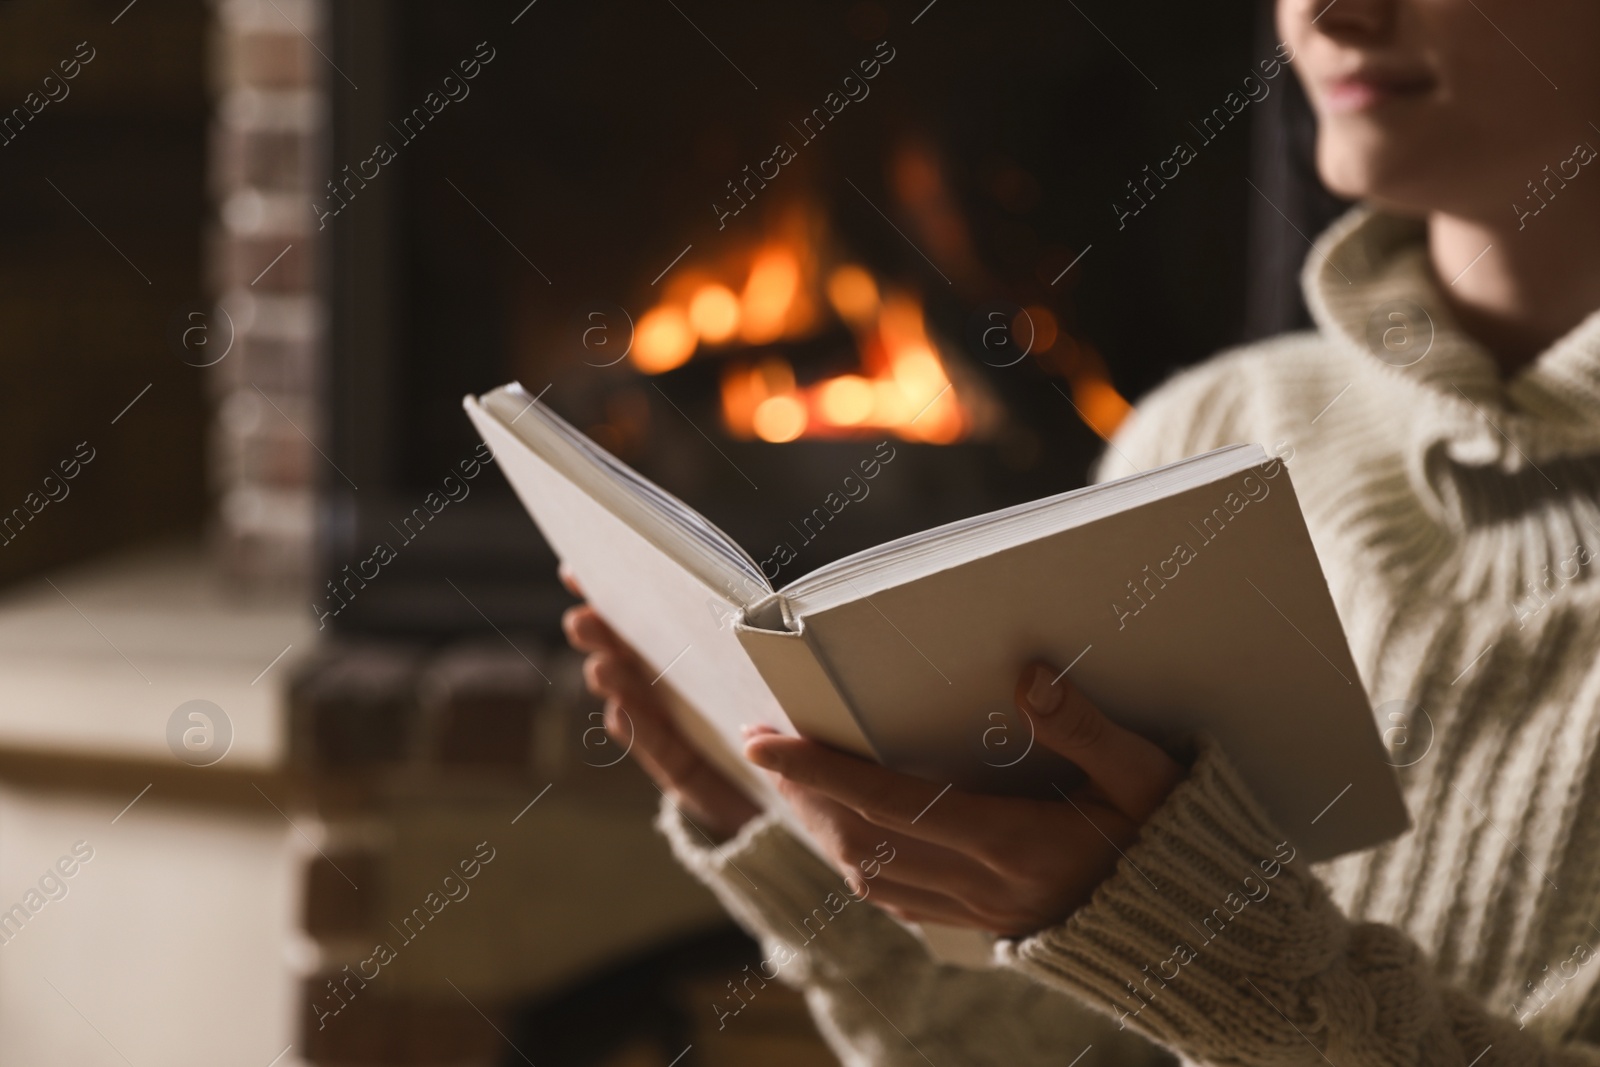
(1363, 91)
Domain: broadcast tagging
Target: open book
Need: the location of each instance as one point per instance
(1180, 600)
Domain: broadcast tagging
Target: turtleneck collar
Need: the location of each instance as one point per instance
(1373, 293)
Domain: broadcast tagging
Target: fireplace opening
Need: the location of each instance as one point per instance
(747, 273)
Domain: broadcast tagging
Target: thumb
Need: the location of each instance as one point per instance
(1133, 773)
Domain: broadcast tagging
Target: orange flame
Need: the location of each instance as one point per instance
(900, 386)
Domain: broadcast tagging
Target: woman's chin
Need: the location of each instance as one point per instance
(1388, 179)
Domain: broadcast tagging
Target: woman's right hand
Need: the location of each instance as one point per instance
(637, 718)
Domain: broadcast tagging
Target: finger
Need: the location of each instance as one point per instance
(587, 631)
(865, 850)
(911, 879)
(650, 737)
(569, 580)
(1133, 773)
(656, 742)
(619, 667)
(916, 904)
(896, 801)
(609, 674)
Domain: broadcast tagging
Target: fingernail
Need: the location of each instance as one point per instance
(1043, 695)
(759, 756)
(748, 730)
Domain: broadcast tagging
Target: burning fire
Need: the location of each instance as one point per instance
(901, 386)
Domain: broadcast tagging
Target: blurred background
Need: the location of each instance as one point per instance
(256, 252)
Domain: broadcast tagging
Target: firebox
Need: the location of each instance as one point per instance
(750, 249)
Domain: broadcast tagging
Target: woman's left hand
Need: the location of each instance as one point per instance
(1002, 864)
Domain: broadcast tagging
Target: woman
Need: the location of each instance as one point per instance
(1443, 429)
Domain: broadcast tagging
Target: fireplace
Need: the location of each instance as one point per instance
(748, 249)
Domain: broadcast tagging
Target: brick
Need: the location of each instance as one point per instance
(246, 258)
(333, 907)
(252, 563)
(295, 316)
(279, 265)
(264, 138)
(280, 366)
(271, 456)
(376, 1027)
(270, 214)
(270, 159)
(478, 705)
(270, 58)
(353, 706)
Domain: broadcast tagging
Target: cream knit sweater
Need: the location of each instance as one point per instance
(1457, 516)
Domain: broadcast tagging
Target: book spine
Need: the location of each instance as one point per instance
(804, 688)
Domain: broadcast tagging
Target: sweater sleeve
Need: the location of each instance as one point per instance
(877, 996)
(1211, 939)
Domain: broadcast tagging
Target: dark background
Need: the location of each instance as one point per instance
(595, 141)
(81, 331)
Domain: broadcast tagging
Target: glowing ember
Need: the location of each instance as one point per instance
(854, 295)
(900, 323)
(900, 386)
(1036, 325)
(662, 340)
(1102, 406)
(768, 293)
(714, 313)
(845, 400)
(911, 397)
(779, 419)
(889, 404)
(918, 372)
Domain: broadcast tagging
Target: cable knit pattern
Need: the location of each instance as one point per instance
(1457, 517)
(1208, 943)
(878, 999)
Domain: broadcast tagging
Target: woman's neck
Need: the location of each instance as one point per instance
(1518, 290)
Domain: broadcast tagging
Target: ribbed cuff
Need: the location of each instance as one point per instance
(1207, 901)
(781, 893)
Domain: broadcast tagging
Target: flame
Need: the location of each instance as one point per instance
(1096, 401)
(846, 400)
(779, 418)
(775, 291)
(1102, 407)
(854, 295)
(900, 384)
(768, 295)
(907, 391)
(714, 313)
(662, 340)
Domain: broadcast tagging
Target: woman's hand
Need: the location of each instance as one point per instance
(1001, 864)
(636, 717)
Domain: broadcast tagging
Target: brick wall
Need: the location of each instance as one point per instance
(266, 144)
